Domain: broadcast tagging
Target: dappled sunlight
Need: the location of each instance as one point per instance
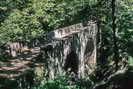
(66, 44)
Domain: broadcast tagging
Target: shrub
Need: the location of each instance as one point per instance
(65, 82)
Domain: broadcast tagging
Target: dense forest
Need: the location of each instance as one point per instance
(25, 23)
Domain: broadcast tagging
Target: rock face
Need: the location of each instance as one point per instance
(70, 49)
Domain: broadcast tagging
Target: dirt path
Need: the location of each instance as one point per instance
(16, 67)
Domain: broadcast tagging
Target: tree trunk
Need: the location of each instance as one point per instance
(114, 33)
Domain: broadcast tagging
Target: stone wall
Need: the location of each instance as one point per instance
(15, 48)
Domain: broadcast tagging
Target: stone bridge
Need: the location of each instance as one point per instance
(70, 49)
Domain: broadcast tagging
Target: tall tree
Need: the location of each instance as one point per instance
(116, 58)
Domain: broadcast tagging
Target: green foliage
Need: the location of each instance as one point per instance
(26, 19)
(124, 27)
(65, 82)
(130, 61)
(19, 26)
